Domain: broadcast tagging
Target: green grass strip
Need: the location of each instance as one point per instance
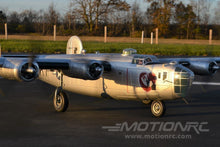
(50, 47)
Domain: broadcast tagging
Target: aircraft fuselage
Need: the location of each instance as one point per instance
(127, 80)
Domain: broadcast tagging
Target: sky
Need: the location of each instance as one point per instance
(61, 5)
(20, 5)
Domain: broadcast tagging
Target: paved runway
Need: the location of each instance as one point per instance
(27, 118)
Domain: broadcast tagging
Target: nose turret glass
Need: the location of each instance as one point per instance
(182, 81)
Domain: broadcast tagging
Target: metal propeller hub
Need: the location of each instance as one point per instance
(213, 67)
(31, 70)
(98, 69)
(29, 73)
(95, 70)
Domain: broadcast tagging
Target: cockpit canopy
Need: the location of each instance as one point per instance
(144, 59)
(141, 61)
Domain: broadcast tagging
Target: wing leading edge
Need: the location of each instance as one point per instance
(200, 66)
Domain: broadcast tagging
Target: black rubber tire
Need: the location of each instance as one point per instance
(60, 102)
(158, 108)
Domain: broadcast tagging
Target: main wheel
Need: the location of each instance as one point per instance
(158, 108)
(60, 102)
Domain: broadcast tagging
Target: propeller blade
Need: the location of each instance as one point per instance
(32, 56)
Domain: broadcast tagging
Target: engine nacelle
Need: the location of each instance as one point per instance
(19, 71)
(203, 67)
(87, 70)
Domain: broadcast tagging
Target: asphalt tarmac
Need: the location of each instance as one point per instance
(27, 118)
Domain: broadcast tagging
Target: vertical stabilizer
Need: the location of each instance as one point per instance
(74, 45)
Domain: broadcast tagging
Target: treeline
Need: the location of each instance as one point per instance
(173, 18)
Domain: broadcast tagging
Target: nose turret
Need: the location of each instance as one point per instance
(183, 78)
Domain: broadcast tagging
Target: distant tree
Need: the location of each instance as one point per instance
(137, 17)
(202, 10)
(185, 19)
(52, 14)
(39, 22)
(13, 22)
(160, 13)
(91, 11)
(3, 18)
(88, 17)
(217, 14)
(51, 17)
(69, 18)
(27, 18)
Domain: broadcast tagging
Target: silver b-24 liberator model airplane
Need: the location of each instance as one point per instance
(126, 76)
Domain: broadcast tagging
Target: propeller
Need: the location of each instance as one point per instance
(215, 67)
(30, 70)
(32, 54)
(31, 60)
(95, 70)
(29, 73)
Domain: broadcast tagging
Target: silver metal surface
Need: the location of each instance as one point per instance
(203, 67)
(18, 69)
(122, 82)
(85, 69)
(126, 76)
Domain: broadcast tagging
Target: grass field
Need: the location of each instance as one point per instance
(28, 46)
(111, 39)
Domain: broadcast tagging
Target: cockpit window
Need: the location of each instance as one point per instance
(141, 61)
(178, 69)
(135, 61)
(147, 60)
(164, 75)
(159, 75)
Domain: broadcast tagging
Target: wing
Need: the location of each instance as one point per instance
(186, 60)
(200, 66)
(27, 68)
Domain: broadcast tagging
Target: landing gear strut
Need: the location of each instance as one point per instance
(158, 108)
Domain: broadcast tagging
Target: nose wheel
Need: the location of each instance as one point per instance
(158, 108)
(60, 101)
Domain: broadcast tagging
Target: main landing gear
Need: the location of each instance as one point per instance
(60, 101)
(158, 108)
